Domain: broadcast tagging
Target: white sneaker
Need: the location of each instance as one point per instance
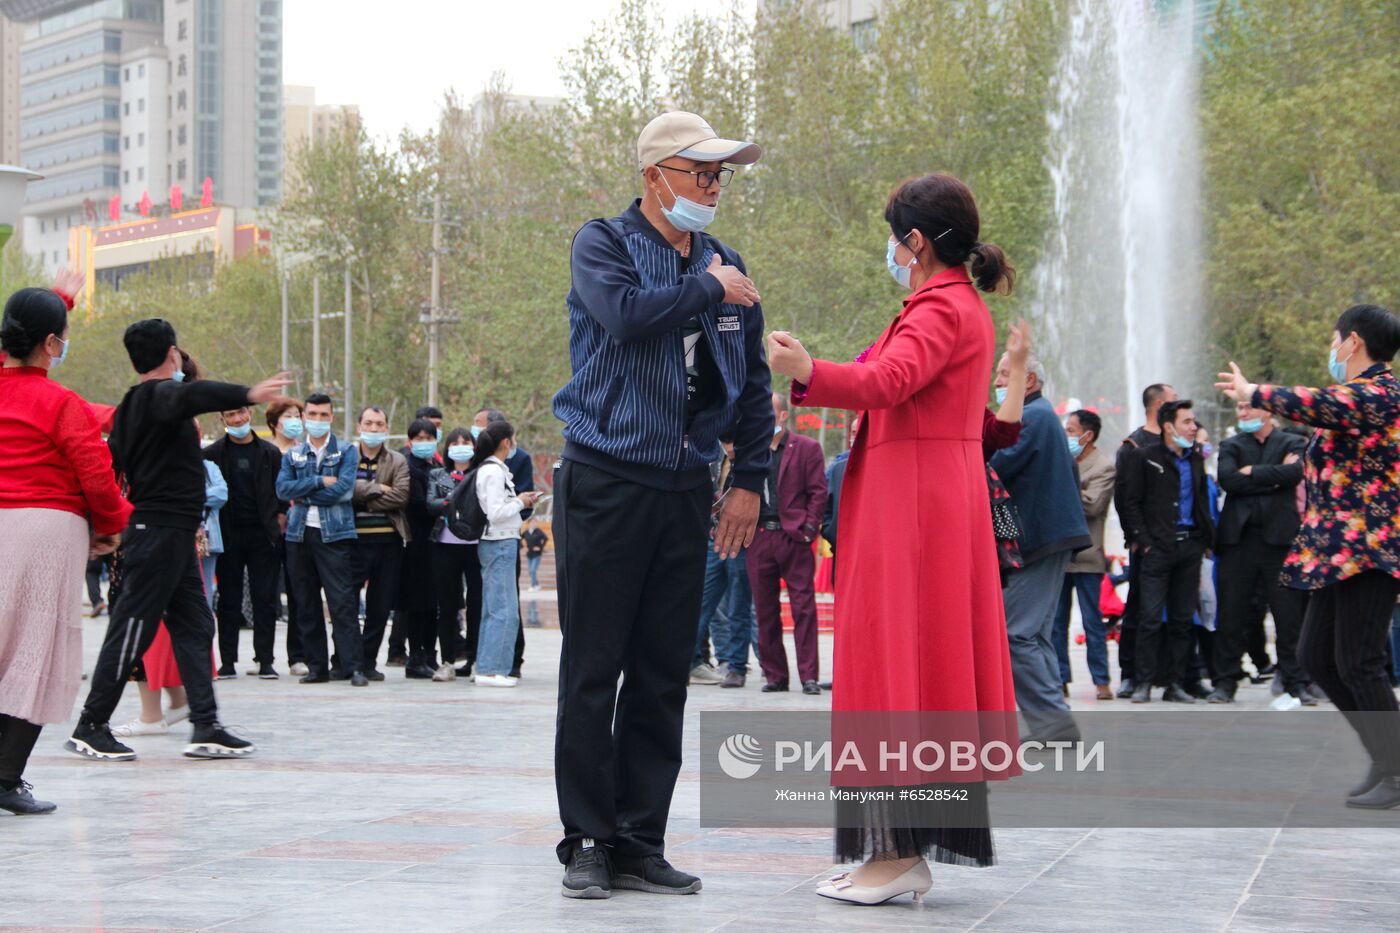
(1285, 702)
(496, 680)
(705, 674)
(916, 881)
(177, 714)
(299, 670)
(137, 727)
(445, 673)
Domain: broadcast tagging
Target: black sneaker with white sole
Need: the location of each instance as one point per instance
(652, 874)
(95, 741)
(214, 741)
(589, 872)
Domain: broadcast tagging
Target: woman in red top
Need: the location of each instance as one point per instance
(57, 480)
(918, 628)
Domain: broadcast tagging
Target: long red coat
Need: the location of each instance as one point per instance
(919, 617)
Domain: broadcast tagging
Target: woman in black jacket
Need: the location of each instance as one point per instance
(416, 601)
(453, 560)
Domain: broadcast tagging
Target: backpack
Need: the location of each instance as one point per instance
(465, 517)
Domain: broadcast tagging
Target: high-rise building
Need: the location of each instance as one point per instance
(10, 35)
(121, 99)
(307, 124)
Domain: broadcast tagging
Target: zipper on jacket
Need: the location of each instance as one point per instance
(680, 457)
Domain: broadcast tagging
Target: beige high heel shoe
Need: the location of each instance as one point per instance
(916, 881)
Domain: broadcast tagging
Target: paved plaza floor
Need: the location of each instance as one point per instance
(412, 805)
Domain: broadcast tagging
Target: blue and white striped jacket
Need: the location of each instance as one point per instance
(624, 410)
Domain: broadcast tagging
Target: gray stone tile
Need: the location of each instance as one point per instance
(1290, 914)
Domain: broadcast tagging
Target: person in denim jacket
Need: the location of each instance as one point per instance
(318, 476)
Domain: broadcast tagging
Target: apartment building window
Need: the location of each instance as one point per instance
(140, 71)
(182, 30)
(126, 109)
(126, 142)
(184, 134)
(169, 141)
(181, 101)
(180, 170)
(126, 74)
(140, 173)
(126, 177)
(863, 34)
(141, 105)
(183, 67)
(140, 139)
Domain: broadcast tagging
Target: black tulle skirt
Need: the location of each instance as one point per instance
(893, 826)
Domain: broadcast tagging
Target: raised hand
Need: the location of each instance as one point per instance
(738, 288)
(787, 357)
(269, 389)
(69, 281)
(1018, 342)
(1235, 385)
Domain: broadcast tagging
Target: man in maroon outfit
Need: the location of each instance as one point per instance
(790, 516)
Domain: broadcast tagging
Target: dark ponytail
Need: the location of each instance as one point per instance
(943, 209)
(31, 315)
(490, 438)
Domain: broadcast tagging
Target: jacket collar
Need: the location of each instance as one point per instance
(39, 371)
(330, 446)
(954, 275)
(633, 217)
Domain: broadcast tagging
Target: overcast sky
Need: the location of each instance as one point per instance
(395, 59)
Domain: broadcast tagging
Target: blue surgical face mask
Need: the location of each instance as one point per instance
(63, 355)
(460, 453)
(777, 429)
(1182, 442)
(239, 431)
(318, 428)
(1336, 368)
(901, 274)
(292, 427)
(1076, 447)
(424, 450)
(476, 432)
(685, 214)
(373, 438)
(1001, 394)
(1251, 425)
(178, 376)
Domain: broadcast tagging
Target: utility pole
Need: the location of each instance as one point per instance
(435, 310)
(316, 334)
(286, 322)
(349, 390)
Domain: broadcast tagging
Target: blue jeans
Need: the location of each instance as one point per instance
(533, 560)
(1088, 586)
(727, 583)
(500, 609)
(206, 567)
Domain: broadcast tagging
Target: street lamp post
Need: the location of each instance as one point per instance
(13, 178)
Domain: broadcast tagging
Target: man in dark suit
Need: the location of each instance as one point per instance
(1167, 523)
(1260, 469)
(789, 520)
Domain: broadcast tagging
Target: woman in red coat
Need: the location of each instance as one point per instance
(920, 625)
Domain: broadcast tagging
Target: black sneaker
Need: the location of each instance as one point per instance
(315, 677)
(94, 741)
(654, 875)
(19, 801)
(588, 875)
(359, 680)
(267, 672)
(775, 688)
(227, 672)
(374, 674)
(214, 741)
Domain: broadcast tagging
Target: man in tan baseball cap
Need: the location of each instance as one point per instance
(688, 135)
(666, 345)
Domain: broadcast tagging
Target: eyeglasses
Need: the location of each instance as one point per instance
(706, 179)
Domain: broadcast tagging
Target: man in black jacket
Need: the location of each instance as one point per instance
(252, 524)
(155, 445)
(1167, 522)
(1147, 435)
(1260, 469)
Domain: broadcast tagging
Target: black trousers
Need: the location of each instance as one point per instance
(94, 578)
(1243, 569)
(295, 654)
(374, 564)
(1343, 649)
(318, 565)
(1170, 579)
(17, 738)
(161, 580)
(456, 570)
(1127, 625)
(520, 629)
(631, 565)
(247, 547)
